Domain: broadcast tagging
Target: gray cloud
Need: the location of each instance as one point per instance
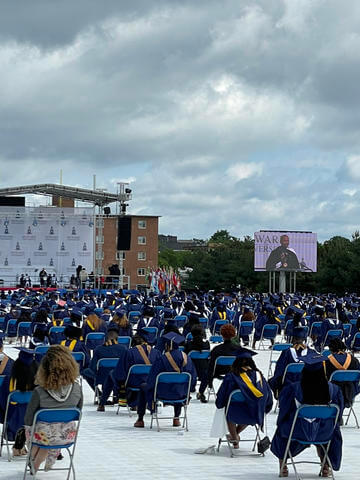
(237, 115)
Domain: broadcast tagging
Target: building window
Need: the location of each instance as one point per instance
(118, 255)
(99, 238)
(141, 272)
(99, 255)
(141, 224)
(141, 255)
(141, 240)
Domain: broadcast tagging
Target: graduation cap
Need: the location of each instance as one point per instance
(245, 353)
(76, 312)
(313, 361)
(26, 356)
(330, 308)
(173, 338)
(72, 332)
(144, 334)
(149, 311)
(299, 332)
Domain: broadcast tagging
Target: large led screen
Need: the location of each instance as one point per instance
(289, 251)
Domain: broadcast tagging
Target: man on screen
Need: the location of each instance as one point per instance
(283, 257)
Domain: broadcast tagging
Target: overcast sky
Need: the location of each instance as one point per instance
(238, 115)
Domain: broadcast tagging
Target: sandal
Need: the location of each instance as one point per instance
(233, 441)
(284, 472)
(325, 471)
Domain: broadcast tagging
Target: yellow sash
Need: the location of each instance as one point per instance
(251, 386)
(338, 365)
(222, 315)
(173, 363)
(90, 325)
(143, 354)
(12, 388)
(56, 325)
(277, 319)
(71, 346)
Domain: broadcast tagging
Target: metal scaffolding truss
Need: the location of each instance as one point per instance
(92, 196)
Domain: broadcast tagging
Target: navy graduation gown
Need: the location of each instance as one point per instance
(315, 430)
(286, 357)
(253, 409)
(161, 364)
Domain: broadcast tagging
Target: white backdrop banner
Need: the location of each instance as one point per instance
(58, 239)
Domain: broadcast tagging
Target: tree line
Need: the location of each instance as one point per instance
(227, 262)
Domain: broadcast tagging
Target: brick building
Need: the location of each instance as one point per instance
(143, 253)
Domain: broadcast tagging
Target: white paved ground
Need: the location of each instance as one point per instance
(109, 448)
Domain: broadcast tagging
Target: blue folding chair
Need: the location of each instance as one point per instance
(315, 329)
(203, 322)
(246, 328)
(126, 341)
(103, 368)
(94, 339)
(154, 331)
(15, 399)
(2, 323)
(330, 335)
(196, 355)
(57, 335)
(216, 339)
(189, 337)
(347, 329)
(79, 358)
(40, 351)
(217, 325)
(269, 332)
(292, 370)
(276, 349)
(11, 328)
(313, 414)
(65, 415)
(355, 343)
(23, 330)
(342, 376)
(137, 375)
(134, 317)
(220, 362)
(234, 406)
(180, 320)
(288, 330)
(163, 392)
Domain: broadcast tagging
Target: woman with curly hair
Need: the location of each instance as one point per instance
(57, 388)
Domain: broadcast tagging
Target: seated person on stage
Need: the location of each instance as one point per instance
(199, 344)
(225, 349)
(294, 354)
(312, 389)
(173, 360)
(246, 377)
(122, 324)
(93, 323)
(110, 349)
(341, 360)
(74, 344)
(22, 378)
(140, 353)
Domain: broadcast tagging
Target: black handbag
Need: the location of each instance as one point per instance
(263, 445)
